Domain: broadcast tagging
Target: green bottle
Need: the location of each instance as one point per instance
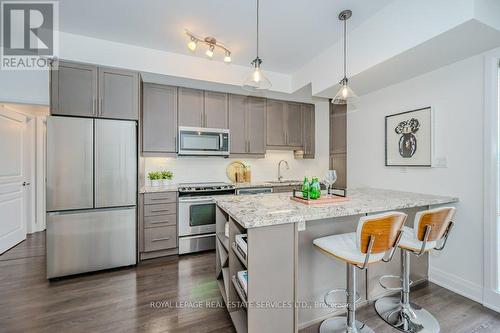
(315, 189)
(305, 188)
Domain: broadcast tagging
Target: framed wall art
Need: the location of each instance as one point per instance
(408, 138)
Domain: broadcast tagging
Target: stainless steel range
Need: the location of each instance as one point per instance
(197, 215)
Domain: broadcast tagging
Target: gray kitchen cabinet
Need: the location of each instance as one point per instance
(338, 129)
(284, 125)
(275, 124)
(256, 125)
(159, 118)
(157, 224)
(90, 91)
(247, 121)
(118, 94)
(294, 124)
(338, 162)
(338, 143)
(74, 90)
(216, 110)
(309, 130)
(191, 107)
(237, 124)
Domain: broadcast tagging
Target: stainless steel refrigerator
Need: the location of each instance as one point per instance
(91, 194)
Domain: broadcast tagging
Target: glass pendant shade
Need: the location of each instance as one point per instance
(257, 81)
(344, 95)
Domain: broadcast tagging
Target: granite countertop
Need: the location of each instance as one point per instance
(173, 187)
(262, 210)
(154, 189)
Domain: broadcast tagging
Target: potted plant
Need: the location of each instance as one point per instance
(155, 178)
(166, 177)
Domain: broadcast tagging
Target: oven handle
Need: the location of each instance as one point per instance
(197, 200)
(221, 144)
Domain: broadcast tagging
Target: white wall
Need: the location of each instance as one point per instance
(202, 169)
(456, 94)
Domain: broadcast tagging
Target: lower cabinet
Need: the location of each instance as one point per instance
(158, 236)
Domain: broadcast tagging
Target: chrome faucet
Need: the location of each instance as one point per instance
(280, 177)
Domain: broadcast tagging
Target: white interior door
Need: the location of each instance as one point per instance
(12, 198)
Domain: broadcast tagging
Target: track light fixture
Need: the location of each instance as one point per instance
(211, 44)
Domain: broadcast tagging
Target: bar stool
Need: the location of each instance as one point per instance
(374, 237)
(431, 227)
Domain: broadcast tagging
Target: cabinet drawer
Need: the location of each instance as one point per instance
(160, 198)
(161, 238)
(161, 209)
(160, 221)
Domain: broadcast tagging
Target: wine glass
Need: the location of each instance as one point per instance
(330, 178)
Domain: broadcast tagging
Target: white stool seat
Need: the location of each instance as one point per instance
(410, 242)
(344, 247)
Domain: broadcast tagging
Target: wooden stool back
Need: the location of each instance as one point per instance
(383, 228)
(437, 219)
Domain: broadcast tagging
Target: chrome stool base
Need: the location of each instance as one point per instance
(410, 318)
(339, 325)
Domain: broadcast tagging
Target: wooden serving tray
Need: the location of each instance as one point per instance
(327, 199)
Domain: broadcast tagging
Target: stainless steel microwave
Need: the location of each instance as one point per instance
(203, 141)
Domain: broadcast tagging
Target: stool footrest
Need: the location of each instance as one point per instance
(339, 305)
(386, 277)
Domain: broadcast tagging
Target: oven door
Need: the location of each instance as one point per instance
(196, 216)
(203, 141)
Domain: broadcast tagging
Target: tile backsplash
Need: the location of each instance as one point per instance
(213, 169)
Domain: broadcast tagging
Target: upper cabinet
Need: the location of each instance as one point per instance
(338, 129)
(74, 90)
(284, 125)
(91, 91)
(159, 118)
(198, 108)
(247, 124)
(276, 123)
(309, 131)
(216, 110)
(118, 94)
(294, 128)
(191, 105)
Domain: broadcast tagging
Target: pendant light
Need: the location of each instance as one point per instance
(345, 94)
(257, 81)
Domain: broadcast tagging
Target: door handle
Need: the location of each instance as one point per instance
(26, 183)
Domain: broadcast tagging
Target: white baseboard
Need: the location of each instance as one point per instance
(456, 284)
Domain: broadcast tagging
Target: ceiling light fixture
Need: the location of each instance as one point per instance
(345, 94)
(211, 43)
(257, 80)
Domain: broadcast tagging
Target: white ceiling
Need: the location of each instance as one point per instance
(292, 31)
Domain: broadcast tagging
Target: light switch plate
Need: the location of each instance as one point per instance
(301, 226)
(440, 162)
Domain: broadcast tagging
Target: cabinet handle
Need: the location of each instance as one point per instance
(160, 239)
(158, 222)
(100, 106)
(153, 199)
(160, 210)
(93, 106)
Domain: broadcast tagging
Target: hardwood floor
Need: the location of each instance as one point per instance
(136, 299)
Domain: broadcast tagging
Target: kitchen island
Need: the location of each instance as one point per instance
(287, 276)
